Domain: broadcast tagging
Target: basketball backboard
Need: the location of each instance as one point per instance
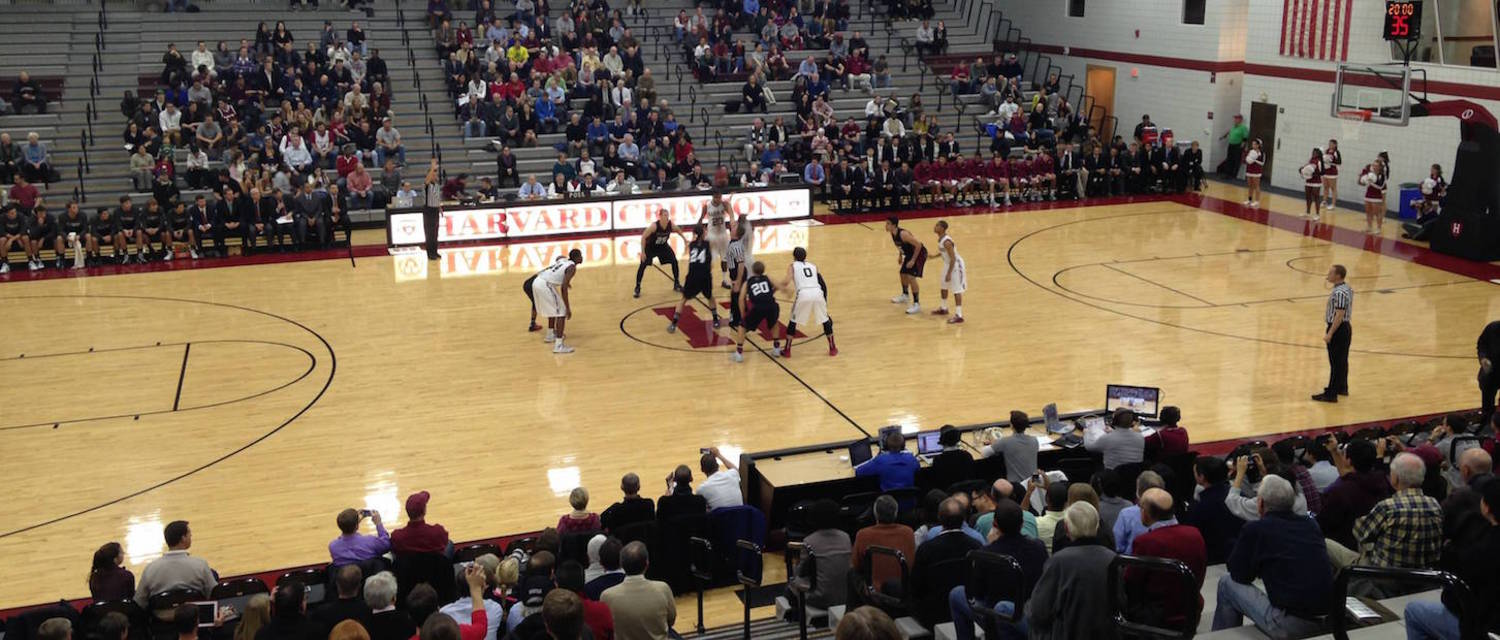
(1375, 93)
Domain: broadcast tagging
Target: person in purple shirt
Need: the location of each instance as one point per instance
(353, 548)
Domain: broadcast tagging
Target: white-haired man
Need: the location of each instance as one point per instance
(1287, 553)
(1071, 598)
(1404, 530)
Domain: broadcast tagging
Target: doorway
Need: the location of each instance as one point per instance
(1263, 126)
(1099, 82)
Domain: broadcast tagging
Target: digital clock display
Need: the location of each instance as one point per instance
(1403, 20)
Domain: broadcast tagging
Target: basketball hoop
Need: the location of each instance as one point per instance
(1352, 120)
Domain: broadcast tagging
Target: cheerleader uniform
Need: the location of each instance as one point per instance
(1254, 163)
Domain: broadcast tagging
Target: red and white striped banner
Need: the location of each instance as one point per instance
(1316, 29)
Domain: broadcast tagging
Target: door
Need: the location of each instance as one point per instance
(1263, 126)
(1099, 82)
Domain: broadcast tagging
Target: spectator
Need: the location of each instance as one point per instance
(1218, 526)
(36, 161)
(925, 37)
(289, 615)
(1080, 492)
(463, 610)
(1477, 563)
(1169, 438)
(1128, 524)
(361, 188)
(753, 95)
(1324, 473)
(581, 519)
(423, 600)
(256, 616)
(418, 536)
(609, 563)
(109, 580)
(1245, 482)
(353, 548)
(1463, 521)
(57, 629)
(348, 606)
(720, 487)
(1121, 442)
(1056, 500)
(1404, 530)
(531, 189)
(1005, 538)
(175, 569)
(388, 139)
(1359, 487)
(928, 588)
(565, 612)
(1166, 538)
(680, 499)
(386, 621)
(895, 466)
(1000, 491)
(1114, 497)
(886, 532)
(1070, 599)
(953, 464)
(1018, 449)
(867, 623)
(113, 626)
(28, 93)
(1286, 552)
(824, 561)
(642, 609)
(10, 159)
(632, 507)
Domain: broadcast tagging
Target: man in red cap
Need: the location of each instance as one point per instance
(418, 536)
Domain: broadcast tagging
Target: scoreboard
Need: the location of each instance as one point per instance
(1403, 20)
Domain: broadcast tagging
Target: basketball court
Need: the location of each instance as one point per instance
(257, 401)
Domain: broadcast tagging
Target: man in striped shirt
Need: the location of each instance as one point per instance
(1337, 335)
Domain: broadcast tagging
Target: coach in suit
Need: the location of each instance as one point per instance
(307, 215)
(1071, 176)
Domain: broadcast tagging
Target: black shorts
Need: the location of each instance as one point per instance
(104, 238)
(661, 253)
(768, 314)
(916, 270)
(47, 240)
(701, 284)
(526, 287)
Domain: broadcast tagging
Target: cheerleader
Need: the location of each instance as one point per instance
(1312, 180)
(1373, 180)
(1255, 162)
(1433, 190)
(1331, 161)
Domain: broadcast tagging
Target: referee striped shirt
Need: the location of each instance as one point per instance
(1342, 297)
(736, 256)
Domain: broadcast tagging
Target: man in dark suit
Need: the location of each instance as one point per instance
(881, 186)
(859, 183)
(348, 606)
(903, 186)
(933, 574)
(307, 215)
(1097, 167)
(631, 508)
(840, 190)
(1071, 176)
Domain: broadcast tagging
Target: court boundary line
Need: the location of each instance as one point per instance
(332, 372)
(186, 349)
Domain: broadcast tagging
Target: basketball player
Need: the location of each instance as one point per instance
(700, 278)
(129, 218)
(527, 287)
(42, 233)
(912, 257)
(953, 274)
(715, 213)
(997, 176)
(104, 230)
(181, 224)
(758, 307)
(154, 228)
(12, 235)
(656, 245)
(810, 303)
(551, 291)
(1020, 179)
(72, 227)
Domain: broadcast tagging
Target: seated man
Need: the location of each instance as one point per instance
(1071, 599)
(418, 536)
(1404, 530)
(1005, 538)
(720, 487)
(930, 584)
(175, 569)
(641, 608)
(1166, 538)
(1477, 563)
(824, 561)
(28, 93)
(1287, 553)
(348, 606)
(895, 466)
(631, 508)
(353, 548)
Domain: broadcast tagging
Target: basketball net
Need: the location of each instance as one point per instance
(1352, 121)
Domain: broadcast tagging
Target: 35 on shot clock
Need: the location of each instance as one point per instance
(1403, 19)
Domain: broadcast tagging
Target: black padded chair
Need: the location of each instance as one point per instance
(1135, 602)
(316, 581)
(992, 578)
(1467, 629)
(91, 615)
(435, 569)
(160, 605)
(238, 592)
(575, 546)
(468, 553)
(897, 604)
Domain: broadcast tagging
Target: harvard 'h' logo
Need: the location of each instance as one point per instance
(1458, 229)
(701, 334)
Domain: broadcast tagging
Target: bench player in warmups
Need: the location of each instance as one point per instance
(954, 279)
(810, 303)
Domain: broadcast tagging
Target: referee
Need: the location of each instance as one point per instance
(1340, 308)
(1489, 377)
(432, 209)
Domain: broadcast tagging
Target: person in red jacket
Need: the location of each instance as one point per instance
(596, 615)
(973, 181)
(1169, 438)
(418, 536)
(440, 626)
(997, 177)
(1166, 538)
(937, 177)
(1044, 176)
(1020, 179)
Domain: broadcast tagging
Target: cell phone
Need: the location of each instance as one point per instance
(208, 613)
(365, 513)
(703, 450)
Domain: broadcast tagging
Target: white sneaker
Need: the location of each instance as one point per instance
(914, 308)
(899, 299)
(1254, 204)
(561, 348)
(551, 336)
(194, 253)
(167, 257)
(35, 265)
(1328, 206)
(737, 356)
(4, 267)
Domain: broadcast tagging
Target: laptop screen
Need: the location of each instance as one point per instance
(927, 443)
(859, 452)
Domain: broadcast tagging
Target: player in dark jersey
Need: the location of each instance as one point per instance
(154, 228)
(759, 307)
(913, 256)
(700, 277)
(180, 229)
(129, 219)
(104, 231)
(72, 229)
(41, 231)
(656, 245)
(12, 235)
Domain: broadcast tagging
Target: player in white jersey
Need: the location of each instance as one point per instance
(529, 288)
(811, 303)
(715, 219)
(953, 274)
(551, 296)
